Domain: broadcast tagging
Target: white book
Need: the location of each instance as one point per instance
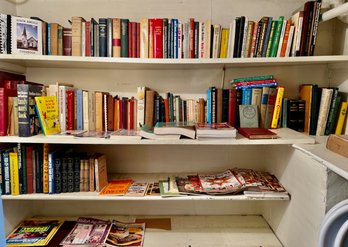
(207, 41)
(324, 109)
(91, 110)
(201, 40)
(180, 26)
(230, 46)
(140, 106)
(26, 36)
(290, 39)
(216, 41)
(280, 45)
(83, 39)
(85, 107)
(184, 40)
(245, 35)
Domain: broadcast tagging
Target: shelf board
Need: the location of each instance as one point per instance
(286, 136)
(331, 160)
(23, 61)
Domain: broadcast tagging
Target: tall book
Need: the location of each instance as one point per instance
(102, 37)
(124, 38)
(342, 116)
(334, 106)
(14, 175)
(141, 106)
(325, 101)
(306, 94)
(157, 38)
(116, 37)
(277, 106)
(144, 38)
(149, 107)
(100, 169)
(76, 26)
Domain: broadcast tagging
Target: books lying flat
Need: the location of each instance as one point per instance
(123, 134)
(117, 187)
(219, 130)
(126, 234)
(148, 133)
(34, 232)
(257, 133)
(174, 128)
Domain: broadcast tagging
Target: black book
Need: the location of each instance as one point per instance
(58, 174)
(94, 38)
(124, 37)
(315, 28)
(124, 112)
(64, 178)
(211, 41)
(238, 102)
(165, 37)
(157, 112)
(163, 113)
(331, 120)
(196, 43)
(301, 115)
(213, 105)
(70, 173)
(236, 37)
(77, 168)
(39, 170)
(240, 36)
(225, 99)
(102, 37)
(292, 110)
(258, 36)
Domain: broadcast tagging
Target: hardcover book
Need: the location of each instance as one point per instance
(338, 144)
(257, 133)
(47, 110)
(175, 128)
(248, 116)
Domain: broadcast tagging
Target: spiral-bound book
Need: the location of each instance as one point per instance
(26, 36)
(3, 33)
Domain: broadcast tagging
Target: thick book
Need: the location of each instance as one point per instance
(47, 110)
(257, 133)
(76, 40)
(5, 95)
(342, 115)
(324, 110)
(338, 144)
(218, 130)
(100, 170)
(116, 37)
(124, 38)
(67, 41)
(157, 38)
(175, 128)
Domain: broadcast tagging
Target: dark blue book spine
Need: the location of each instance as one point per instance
(314, 110)
(6, 173)
(58, 175)
(209, 106)
(213, 105)
(49, 52)
(79, 95)
(171, 107)
(77, 168)
(238, 102)
(102, 37)
(225, 95)
(157, 110)
(51, 171)
(64, 174)
(266, 38)
(165, 37)
(70, 174)
(175, 38)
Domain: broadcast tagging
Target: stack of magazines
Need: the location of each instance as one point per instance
(218, 130)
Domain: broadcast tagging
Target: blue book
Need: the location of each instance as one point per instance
(51, 172)
(79, 104)
(266, 38)
(246, 96)
(49, 52)
(5, 162)
(175, 38)
(102, 37)
(270, 84)
(209, 106)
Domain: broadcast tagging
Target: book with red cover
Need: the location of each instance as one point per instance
(130, 114)
(88, 39)
(157, 38)
(192, 38)
(67, 41)
(232, 106)
(138, 40)
(70, 95)
(257, 133)
(110, 113)
(166, 109)
(134, 39)
(29, 169)
(130, 39)
(4, 94)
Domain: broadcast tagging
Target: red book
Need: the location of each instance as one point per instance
(166, 109)
(130, 39)
(134, 39)
(130, 114)
(70, 96)
(192, 38)
(4, 94)
(110, 109)
(138, 40)
(232, 106)
(88, 39)
(157, 38)
(120, 107)
(306, 12)
(6, 76)
(257, 133)
(67, 41)
(29, 169)
(151, 50)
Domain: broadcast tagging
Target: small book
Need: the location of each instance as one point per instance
(218, 130)
(34, 232)
(126, 234)
(125, 134)
(257, 133)
(248, 116)
(137, 189)
(175, 128)
(47, 110)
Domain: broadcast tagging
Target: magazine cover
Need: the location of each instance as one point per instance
(26, 36)
(137, 189)
(47, 110)
(34, 232)
(87, 231)
(117, 187)
(126, 234)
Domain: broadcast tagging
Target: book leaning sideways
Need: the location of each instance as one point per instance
(26, 36)
(34, 232)
(47, 110)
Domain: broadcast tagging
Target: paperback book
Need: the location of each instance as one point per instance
(186, 129)
(126, 234)
(47, 110)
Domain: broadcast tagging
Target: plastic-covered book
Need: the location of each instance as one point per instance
(218, 130)
(34, 232)
(126, 234)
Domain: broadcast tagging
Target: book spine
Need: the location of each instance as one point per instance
(257, 38)
(6, 171)
(301, 115)
(57, 175)
(271, 37)
(267, 36)
(124, 37)
(341, 118)
(14, 176)
(98, 111)
(253, 78)
(124, 112)
(232, 100)
(149, 108)
(45, 172)
(49, 39)
(110, 113)
(209, 103)
(267, 84)
(192, 37)
(292, 112)
(315, 103)
(83, 39)
(80, 124)
(60, 41)
(245, 34)
(23, 110)
(270, 107)
(158, 38)
(151, 39)
(261, 43)
(29, 169)
(76, 182)
(64, 177)
(70, 109)
(86, 110)
(290, 41)
(51, 175)
(67, 41)
(281, 39)
(277, 33)
(91, 110)
(109, 45)
(284, 118)
(277, 107)
(21, 169)
(116, 37)
(324, 110)
(315, 29)
(144, 38)
(76, 39)
(102, 37)
(70, 174)
(133, 40)
(62, 107)
(214, 105)
(88, 39)
(264, 100)
(331, 121)
(285, 39)
(180, 44)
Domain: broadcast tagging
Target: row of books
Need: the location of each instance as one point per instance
(232, 181)
(165, 38)
(27, 169)
(82, 232)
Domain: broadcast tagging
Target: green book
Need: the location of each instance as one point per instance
(331, 120)
(253, 78)
(271, 37)
(124, 37)
(275, 42)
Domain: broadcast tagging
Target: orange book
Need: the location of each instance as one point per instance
(277, 107)
(117, 187)
(45, 167)
(116, 113)
(149, 105)
(306, 95)
(201, 111)
(166, 109)
(99, 111)
(286, 38)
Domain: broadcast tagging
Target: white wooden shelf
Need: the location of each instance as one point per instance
(286, 136)
(332, 160)
(20, 62)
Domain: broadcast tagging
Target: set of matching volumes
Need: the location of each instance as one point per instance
(27, 169)
(165, 38)
(324, 113)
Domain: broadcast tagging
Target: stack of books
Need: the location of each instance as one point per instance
(215, 131)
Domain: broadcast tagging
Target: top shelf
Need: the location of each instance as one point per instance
(20, 62)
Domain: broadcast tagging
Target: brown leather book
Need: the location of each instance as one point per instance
(110, 109)
(257, 133)
(201, 110)
(149, 105)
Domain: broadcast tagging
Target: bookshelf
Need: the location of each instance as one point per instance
(278, 221)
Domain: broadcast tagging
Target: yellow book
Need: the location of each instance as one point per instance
(47, 109)
(45, 167)
(14, 175)
(277, 107)
(224, 42)
(341, 118)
